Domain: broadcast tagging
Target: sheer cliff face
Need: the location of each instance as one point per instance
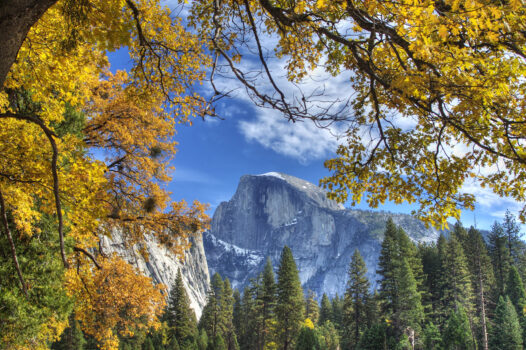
(162, 266)
(272, 210)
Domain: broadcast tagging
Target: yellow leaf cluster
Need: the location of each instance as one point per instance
(114, 137)
(114, 298)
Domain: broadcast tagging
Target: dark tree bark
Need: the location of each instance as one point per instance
(16, 18)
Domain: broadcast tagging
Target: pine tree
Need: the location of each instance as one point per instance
(409, 313)
(457, 288)
(218, 343)
(441, 312)
(307, 339)
(312, 310)
(396, 246)
(506, 332)
(325, 310)
(375, 338)
(268, 301)
(329, 338)
(513, 235)
(290, 307)
(355, 302)
(500, 257)
(457, 333)
(212, 318)
(337, 312)
(179, 315)
(372, 308)
(433, 275)
(247, 329)
(432, 337)
(202, 341)
(515, 290)
(227, 313)
(386, 267)
(482, 279)
(237, 313)
(256, 322)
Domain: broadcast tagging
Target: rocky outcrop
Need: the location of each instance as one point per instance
(272, 210)
(162, 265)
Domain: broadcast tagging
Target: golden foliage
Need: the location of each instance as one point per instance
(114, 299)
(114, 136)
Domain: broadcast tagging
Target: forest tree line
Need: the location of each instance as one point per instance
(461, 292)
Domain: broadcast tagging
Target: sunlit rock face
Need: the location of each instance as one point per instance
(272, 210)
(162, 265)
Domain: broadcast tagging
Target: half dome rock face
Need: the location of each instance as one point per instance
(162, 265)
(272, 210)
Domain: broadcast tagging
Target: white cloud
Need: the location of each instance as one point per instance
(490, 202)
(301, 140)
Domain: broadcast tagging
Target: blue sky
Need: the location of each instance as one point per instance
(213, 154)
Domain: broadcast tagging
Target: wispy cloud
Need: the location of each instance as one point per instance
(182, 174)
(302, 141)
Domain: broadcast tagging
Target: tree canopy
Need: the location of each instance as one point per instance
(89, 150)
(437, 90)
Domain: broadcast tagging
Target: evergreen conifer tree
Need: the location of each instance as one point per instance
(337, 312)
(179, 315)
(373, 309)
(409, 313)
(457, 333)
(376, 338)
(432, 337)
(307, 339)
(355, 302)
(268, 302)
(312, 310)
(237, 312)
(325, 310)
(482, 279)
(202, 341)
(227, 313)
(457, 287)
(515, 290)
(396, 246)
(433, 274)
(212, 318)
(247, 330)
(513, 235)
(506, 331)
(387, 264)
(329, 338)
(218, 343)
(500, 257)
(290, 307)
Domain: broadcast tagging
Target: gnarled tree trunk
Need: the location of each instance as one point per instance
(16, 18)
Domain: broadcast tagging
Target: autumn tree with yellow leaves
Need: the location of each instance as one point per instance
(438, 90)
(60, 105)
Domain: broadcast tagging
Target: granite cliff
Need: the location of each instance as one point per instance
(162, 265)
(272, 210)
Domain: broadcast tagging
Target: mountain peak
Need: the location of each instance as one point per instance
(312, 191)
